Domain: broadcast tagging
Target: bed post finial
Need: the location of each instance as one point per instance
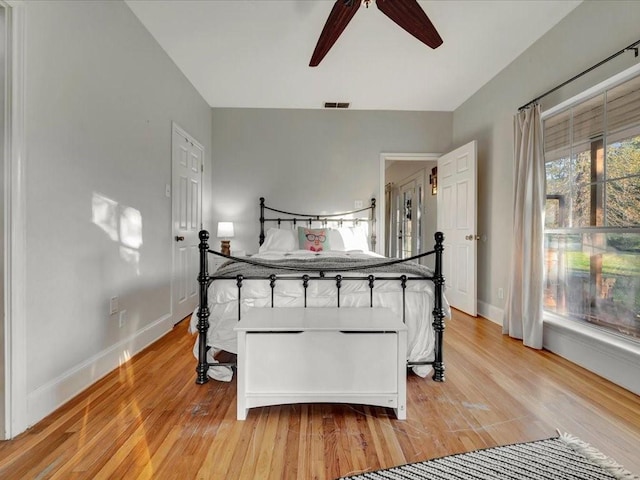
(373, 225)
(203, 309)
(438, 310)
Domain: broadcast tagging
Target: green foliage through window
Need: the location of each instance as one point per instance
(592, 212)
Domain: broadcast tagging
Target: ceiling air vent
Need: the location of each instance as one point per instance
(336, 105)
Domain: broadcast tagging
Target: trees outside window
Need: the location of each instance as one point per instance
(592, 214)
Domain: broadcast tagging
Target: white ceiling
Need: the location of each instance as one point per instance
(255, 53)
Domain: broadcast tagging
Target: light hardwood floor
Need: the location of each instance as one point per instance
(149, 419)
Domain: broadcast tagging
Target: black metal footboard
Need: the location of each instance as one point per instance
(321, 275)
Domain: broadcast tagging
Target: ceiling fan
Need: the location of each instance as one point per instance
(406, 13)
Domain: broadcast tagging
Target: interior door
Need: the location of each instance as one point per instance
(457, 219)
(186, 184)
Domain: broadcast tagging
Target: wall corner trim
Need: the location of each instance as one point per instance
(15, 231)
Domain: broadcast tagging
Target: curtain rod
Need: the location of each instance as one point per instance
(633, 46)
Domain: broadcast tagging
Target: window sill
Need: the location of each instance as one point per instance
(607, 355)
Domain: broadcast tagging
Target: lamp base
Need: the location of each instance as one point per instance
(225, 247)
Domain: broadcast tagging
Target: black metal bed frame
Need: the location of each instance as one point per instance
(323, 220)
(320, 274)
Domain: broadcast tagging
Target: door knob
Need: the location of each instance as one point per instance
(179, 238)
(472, 237)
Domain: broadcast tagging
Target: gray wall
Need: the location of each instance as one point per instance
(593, 31)
(308, 160)
(399, 170)
(100, 98)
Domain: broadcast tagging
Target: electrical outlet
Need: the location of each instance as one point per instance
(122, 319)
(113, 305)
(357, 204)
(501, 293)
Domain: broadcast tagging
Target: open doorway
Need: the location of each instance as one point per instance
(455, 203)
(408, 216)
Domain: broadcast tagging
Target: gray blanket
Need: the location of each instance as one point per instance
(331, 265)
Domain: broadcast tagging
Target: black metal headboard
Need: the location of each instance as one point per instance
(337, 219)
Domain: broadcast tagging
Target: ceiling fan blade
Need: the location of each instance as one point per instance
(341, 14)
(410, 16)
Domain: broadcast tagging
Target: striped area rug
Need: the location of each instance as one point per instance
(560, 458)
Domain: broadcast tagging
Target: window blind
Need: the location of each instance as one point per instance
(615, 110)
(623, 106)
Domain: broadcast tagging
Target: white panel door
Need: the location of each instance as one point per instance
(187, 167)
(457, 212)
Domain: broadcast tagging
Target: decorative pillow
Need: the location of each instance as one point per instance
(316, 240)
(279, 240)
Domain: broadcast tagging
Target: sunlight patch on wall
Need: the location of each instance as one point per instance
(122, 224)
(105, 215)
(131, 256)
(131, 227)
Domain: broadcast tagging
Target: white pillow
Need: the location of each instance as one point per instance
(354, 238)
(279, 240)
(360, 238)
(336, 241)
(347, 237)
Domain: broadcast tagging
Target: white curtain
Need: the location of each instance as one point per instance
(523, 311)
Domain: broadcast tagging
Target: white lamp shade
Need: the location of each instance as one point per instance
(225, 229)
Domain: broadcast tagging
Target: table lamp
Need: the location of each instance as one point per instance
(225, 231)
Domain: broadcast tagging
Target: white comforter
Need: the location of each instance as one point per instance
(223, 305)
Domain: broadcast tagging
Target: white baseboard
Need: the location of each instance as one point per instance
(47, 398)
(613, 358)
(490, 312)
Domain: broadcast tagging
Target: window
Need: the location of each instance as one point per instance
(592, 212)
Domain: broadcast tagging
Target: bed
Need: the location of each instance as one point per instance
(294, 268)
